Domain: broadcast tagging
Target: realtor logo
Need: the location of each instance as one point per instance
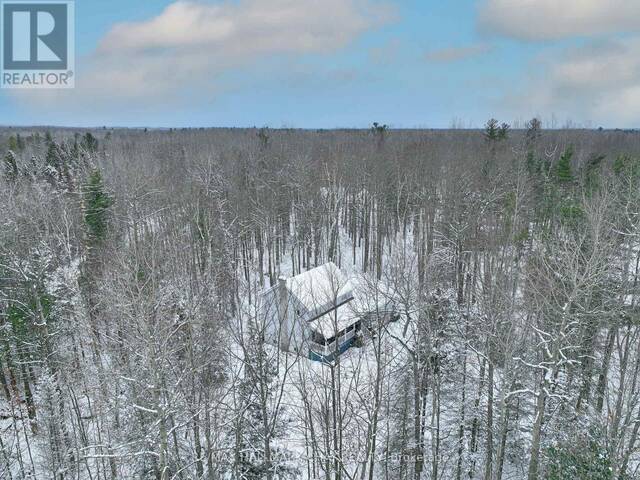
(37, 44)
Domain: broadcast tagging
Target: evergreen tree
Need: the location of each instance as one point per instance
(591, 173)
(582, 457)
(503, 131)
(626, 166)
(20, 143)
(60, 166)
(10, 166)
(491, 129)
(380, 133)
(494, 131)
(13, 143)
(535, 165)
(53, 158)
(534, 131)
(563, 171)
(96, 207)
(258, 393)
(90, 143)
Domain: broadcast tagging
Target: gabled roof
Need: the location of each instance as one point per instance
(373, 297)
(334, 322)
(320, 290)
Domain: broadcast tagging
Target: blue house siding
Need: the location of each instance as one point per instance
(332, 356)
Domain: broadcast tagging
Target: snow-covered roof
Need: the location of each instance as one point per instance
(372, 296)
(320, 289)
(334, 322)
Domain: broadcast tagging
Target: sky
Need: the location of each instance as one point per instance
(345, 63)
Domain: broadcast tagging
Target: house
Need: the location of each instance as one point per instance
(309, 313)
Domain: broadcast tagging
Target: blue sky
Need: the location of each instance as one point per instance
(345, 63)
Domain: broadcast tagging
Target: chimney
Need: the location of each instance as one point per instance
(283, 313)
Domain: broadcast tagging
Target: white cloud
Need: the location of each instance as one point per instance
(555, 19)
(455, 54)
(251, 27)
(598, 83)
(187, 47)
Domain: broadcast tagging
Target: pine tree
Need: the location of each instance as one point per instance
(90, 143)
(96, 207)
(258, 393)
(494, 131)
(10, 166)
(380, 133)
(503, 131)
(584, 457)
(60, 166)
(13, 143)
(591, 173)
(20, 143)
(491, 130)
(563, 171)
(625, 165)
(52, 158)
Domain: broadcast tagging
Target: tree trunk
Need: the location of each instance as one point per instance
(604, 371)
(534, 462)
(488, 469)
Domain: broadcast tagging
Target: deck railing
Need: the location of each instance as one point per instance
(331, 348)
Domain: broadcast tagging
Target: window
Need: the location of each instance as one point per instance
(318, 338)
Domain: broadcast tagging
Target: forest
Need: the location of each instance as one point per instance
(132, 263)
